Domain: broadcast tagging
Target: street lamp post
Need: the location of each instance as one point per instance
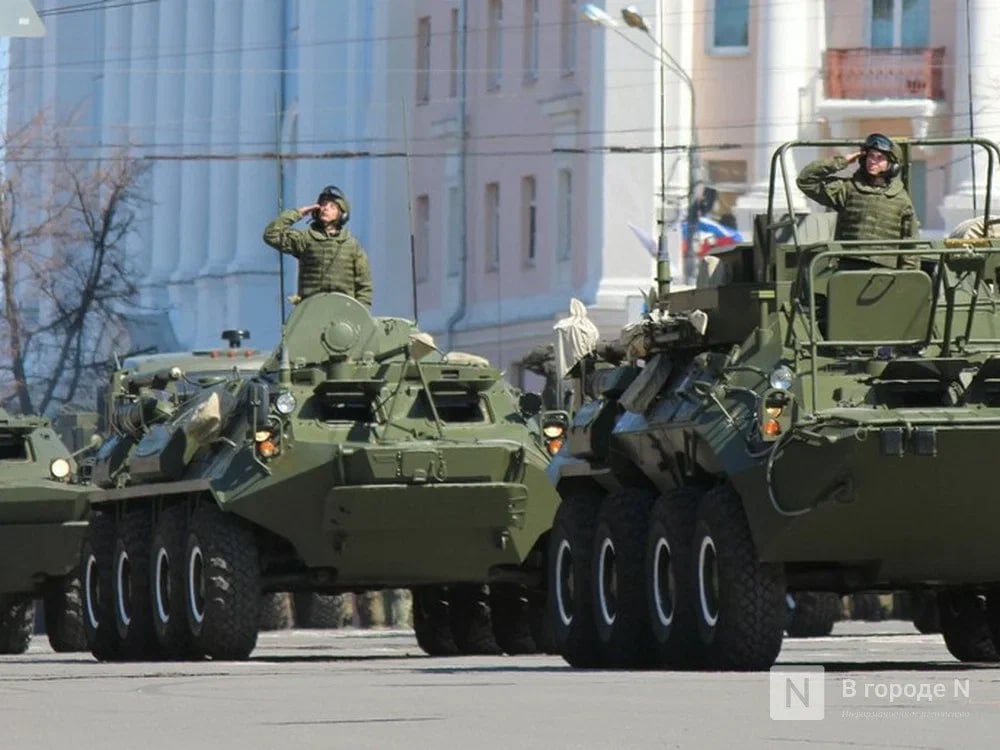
(633, 19)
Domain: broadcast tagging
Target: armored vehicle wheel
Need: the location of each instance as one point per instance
(964, 626)
(96, 557)
(741, 601)
(814, 614)
(133, 608)
(866, 607)
(275, 611)
(669, 579)
(432, 621)
(17, 621)
(314, 610)
(926, 613)
(471, 625)
(63, 608)
(570, 583)
(513, 610)
(166, 582)
(222, 584)
(619, 550)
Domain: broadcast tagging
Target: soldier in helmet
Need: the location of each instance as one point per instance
(330, 258)
(872, 203)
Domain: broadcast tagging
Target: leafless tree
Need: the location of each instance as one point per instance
(65, 277)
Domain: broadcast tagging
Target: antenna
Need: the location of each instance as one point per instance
(409, 206)
(281, 196)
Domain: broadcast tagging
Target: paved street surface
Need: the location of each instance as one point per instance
(374, 689)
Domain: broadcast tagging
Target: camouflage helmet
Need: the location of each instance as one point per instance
(335, 194)
(883, 143)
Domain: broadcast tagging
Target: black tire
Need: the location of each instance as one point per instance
(471, 623)
(432, 621)
(965, 626)
(96, 557)
(741, 601)
(314, 610)
(570, 582)
(17, 621)
(619, 602)
(515, 610)
(275, 611)
(133, 606)
(670, 582)
(814, 614)
(222, 584)
(63, 608)
(167, 585)
(866, 607)
(926, 613)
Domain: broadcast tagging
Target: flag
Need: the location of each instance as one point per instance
(710, 235)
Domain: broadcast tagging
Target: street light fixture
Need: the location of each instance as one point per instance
(634, 19)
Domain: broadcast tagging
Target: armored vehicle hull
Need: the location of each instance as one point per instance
(42, 525)
(820, 416)
(358, 459)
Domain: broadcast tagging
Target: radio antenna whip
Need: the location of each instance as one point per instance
(409, 206)
(281, 197)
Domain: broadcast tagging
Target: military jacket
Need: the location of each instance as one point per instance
(867, 211)
(328, 262)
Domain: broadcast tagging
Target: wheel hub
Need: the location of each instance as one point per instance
(664, 583)
(708, 581)
(607, 593)
(564, 582)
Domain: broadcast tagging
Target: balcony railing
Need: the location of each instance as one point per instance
(894, 73)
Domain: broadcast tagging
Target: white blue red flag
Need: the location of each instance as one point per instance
(710, 235)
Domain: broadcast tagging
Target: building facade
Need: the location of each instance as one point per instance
(516, 146)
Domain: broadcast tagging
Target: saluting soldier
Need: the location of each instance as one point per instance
(330, 258)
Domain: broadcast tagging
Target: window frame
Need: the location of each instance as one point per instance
(568, 37)
(491, 226)
(532, 34)
(494, 45)
(529, 220)
(423, 82)
(564, 214)
(726, 50)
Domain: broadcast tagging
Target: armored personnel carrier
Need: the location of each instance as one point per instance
(811, 417)
(42, 524)
(359, 457)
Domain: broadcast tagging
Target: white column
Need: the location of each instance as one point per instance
(166, 193)
(195, 197)
(979, 53)
(142, 121)
(784, 65)
(114, 122)
(252, 281)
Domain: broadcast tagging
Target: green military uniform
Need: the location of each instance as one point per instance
(867, 210)
(329, 261)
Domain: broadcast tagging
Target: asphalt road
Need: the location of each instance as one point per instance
(374, 689)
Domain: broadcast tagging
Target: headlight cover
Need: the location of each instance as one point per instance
(60, 468)
(285, 403)
(782, 378)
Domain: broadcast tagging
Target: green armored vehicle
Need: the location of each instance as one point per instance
(358, 458)
(809, 418)
(42, 524)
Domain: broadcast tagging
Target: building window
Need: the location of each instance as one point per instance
(529, 220)
(492, 226)
(568, 36)
(494, 45)
(454, 232)
(422, 242)
(731, 25)
(532, 26)
(900, 23)
(564, 211)
(424, 60)
(453, 55)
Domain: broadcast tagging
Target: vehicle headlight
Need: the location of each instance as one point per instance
(59, 468)
(285, 403)
(782, 378)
